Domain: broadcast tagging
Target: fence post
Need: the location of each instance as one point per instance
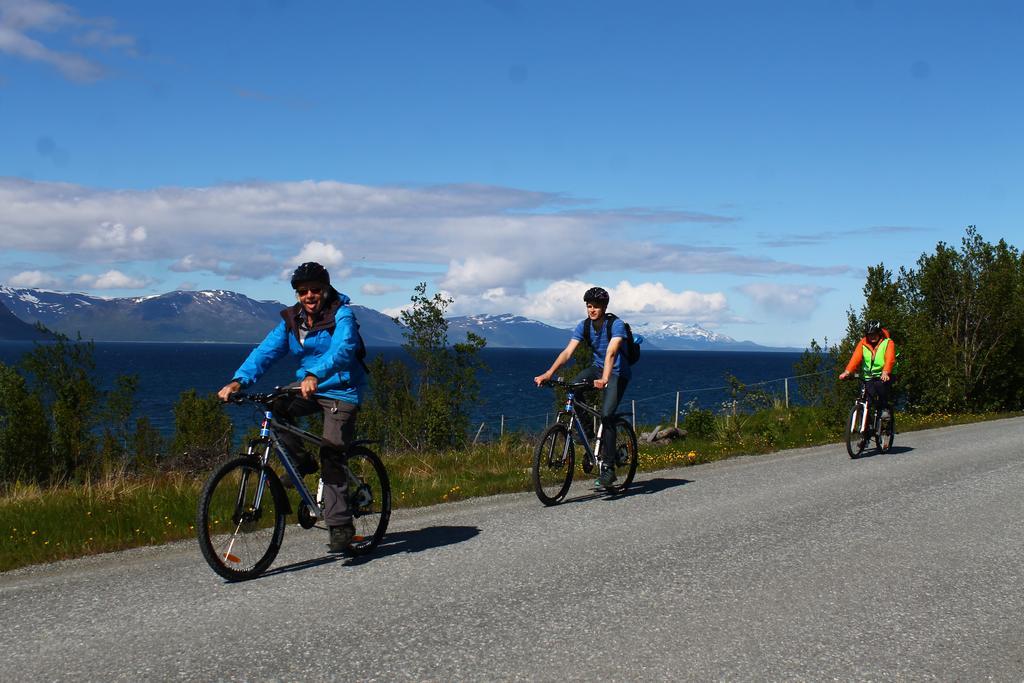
(677, 411)
(501, 431)
(478, 433)
(634, 414)
(787, 393)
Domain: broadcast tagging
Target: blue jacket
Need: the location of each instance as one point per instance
(328, 350)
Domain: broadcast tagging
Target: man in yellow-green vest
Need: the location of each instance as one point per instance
(876, 356)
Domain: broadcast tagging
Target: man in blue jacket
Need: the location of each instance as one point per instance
(321, 331)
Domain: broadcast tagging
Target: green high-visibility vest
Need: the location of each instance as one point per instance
(874, 363)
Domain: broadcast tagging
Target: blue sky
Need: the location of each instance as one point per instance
(733, 164)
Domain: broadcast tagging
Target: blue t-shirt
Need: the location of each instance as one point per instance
(599, 342)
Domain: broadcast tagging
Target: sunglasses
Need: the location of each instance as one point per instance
(302, 291)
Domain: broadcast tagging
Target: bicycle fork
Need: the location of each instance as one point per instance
(863, 426)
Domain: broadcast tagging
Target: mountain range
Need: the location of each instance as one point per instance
(225, 316)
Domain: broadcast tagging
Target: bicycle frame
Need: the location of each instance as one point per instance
(268, 435)
(577, 425)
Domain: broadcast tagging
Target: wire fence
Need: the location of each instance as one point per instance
(665, 408)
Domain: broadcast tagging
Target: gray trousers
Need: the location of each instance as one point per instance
(339, 431)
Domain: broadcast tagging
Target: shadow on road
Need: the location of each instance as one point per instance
(417, 541)
(874, 453)
(638, 488)
(392, 544)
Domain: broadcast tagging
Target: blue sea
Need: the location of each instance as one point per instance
(508, 396)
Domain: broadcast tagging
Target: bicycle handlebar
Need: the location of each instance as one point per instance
(263, 398)
(571, 386)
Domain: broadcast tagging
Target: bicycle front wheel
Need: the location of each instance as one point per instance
(240, 520)
(855, 439)
(626, 456)
(369, 496)
(552, 464)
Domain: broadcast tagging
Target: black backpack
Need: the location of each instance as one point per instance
(632, 349)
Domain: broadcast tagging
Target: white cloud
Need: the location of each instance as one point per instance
(482, 272)
(487, 243)
(561, 303)
(789, 301)
(190, 263)
(34, 279)
(19, 18)
(323, 253)
(112, 279)
(378, 289)
(327, 255)
(114, 236)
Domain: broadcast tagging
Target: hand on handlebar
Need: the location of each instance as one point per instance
(229, 389)
(541, 380)
(844, 375)
(308, 386)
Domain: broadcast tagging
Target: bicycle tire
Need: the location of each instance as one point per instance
(239, 541)
(369, 499)
(553, 463)
(626, 455)
(855, 440)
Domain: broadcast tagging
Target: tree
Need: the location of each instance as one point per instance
(116, 416)
(968, 318)
(958, 320)
(61, 375)
(203, 432)
(427, 404)
(24, 431)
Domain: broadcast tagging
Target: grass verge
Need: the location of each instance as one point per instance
(44, 524)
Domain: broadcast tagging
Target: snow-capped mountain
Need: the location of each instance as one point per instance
(680, 336)
(13, 328)
(671, 334)
(225, 316)
(508, 331)
(215, 315)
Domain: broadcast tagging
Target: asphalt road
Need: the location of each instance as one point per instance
(803, 565)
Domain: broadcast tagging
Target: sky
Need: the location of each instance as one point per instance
(734, 164)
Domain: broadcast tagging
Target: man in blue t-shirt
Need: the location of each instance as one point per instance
(610, 371)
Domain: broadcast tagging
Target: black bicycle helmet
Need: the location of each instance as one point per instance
(873, 327)
(311, 271)
(596, 295)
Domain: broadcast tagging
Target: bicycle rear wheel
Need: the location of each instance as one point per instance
(553, 462)
(855, 439)
(369, 498)
(626, 456)
(239, 523)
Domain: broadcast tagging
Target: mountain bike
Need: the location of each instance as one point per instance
(555, 457)
(866, 424)
(240, 519)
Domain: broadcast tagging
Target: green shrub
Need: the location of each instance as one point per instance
(699, 424)
(202, 432)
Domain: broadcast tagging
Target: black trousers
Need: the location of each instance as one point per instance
(878, 392)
